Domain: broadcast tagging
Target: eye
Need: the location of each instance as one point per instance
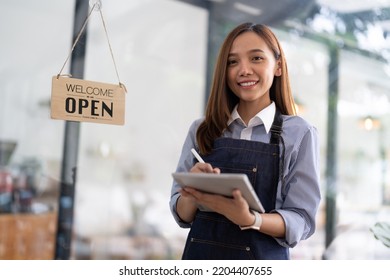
(231, 62)
(257, 58)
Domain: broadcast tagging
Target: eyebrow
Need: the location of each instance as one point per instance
(251, 51)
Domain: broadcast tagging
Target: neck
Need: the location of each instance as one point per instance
(248, 110)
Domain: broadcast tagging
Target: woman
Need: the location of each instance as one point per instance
(250, 127)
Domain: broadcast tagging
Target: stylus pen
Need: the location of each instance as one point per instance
(198, 157)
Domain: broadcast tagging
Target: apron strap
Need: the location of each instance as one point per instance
(276, 128)
(276, 138)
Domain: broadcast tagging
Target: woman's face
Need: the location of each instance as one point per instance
(251, 69)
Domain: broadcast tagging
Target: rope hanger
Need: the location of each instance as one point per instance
(97, 6)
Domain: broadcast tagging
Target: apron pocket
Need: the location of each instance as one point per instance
(199, 249)
(230, 167)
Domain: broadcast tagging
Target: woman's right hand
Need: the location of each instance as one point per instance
(186, 205)
(204, 168)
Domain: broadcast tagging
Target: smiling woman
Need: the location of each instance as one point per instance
(250, 127)
(333, 49)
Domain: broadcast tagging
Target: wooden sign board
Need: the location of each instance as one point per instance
(87, 101)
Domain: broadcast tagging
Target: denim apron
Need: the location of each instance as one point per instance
(212, 236)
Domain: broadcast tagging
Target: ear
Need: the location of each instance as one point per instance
(278, 70)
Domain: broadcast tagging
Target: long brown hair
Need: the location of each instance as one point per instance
(222, 100)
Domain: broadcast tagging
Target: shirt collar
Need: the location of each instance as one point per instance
(265, 116)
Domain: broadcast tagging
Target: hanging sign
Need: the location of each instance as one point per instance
(87, 101)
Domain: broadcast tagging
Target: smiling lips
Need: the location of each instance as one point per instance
(248, 84)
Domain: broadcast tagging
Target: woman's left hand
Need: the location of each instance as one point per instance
(236, 209)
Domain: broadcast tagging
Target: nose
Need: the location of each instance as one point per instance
(245, 69)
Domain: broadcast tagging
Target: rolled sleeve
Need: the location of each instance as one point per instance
(185, 163)
(302, 190)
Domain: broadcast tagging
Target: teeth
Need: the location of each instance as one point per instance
(247, 84)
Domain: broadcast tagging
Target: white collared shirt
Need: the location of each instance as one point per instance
(262, 120)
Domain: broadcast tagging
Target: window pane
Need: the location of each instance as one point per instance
(35, 42)
(125, 171)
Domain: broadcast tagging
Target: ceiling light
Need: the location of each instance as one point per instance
(369, 123)
(247, 9)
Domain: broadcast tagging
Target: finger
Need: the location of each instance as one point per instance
(217, 170)
(200, 197)
(186, 190)
(202, 167)
(237, 195)
(239, 199)
(191, 191)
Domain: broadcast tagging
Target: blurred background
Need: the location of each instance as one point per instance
(115, 204)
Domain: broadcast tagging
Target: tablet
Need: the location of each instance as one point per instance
(222, 184)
